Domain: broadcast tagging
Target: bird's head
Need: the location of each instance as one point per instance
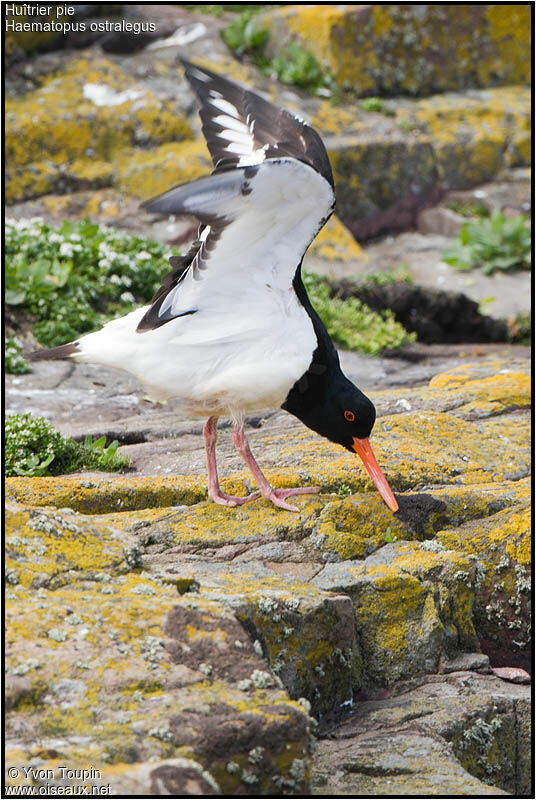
(346, 416)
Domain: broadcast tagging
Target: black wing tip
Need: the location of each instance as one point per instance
(152, 320)
(63, 351)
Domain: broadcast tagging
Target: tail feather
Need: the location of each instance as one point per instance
(63, 351)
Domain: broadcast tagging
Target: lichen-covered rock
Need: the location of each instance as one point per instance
(465, 733)
(502, 544)
(22, 38)
(124, 670)
(79, 121)
(182, 637)
(147, 173)
(412, 606)
(383, 49)
(98, 495)
(334, 243)
(427, 147)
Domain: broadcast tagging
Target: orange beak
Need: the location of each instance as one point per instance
(364, 451)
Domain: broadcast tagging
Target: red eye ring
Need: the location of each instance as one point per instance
(349, 416)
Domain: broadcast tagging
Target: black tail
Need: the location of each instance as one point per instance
(63, 351)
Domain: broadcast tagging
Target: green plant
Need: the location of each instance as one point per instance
(408, 125)
(389, 537)
(73, 279)
(219, 9)
(401, 274)
(344, 490)
(105, 458)
(497, 243)
(376, 104)
(292, 65)
(34, 448)
(297, 66)
(244, 35)
(469, 208)
(520, 329)
(104, 263)
(14, 362)
(352, 324)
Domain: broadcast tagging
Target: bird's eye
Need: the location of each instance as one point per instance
(349, 416)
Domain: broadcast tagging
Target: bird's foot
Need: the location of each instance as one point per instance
(230, 500)
(279, 496)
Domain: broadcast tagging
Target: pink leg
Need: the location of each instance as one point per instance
(277, 496)
(210, 433)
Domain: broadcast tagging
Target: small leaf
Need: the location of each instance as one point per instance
(14, 297)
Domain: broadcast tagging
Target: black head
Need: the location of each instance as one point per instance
(339, 410)
(345, 415)
(330, 404)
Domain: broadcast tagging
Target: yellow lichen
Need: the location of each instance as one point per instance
(336, 243)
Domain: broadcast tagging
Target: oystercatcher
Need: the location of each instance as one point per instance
(232, 330)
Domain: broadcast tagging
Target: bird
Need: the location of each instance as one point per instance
(231, 330)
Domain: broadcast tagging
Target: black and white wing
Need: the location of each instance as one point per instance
(269, 195)
(241, 128)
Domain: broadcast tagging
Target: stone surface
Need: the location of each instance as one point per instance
(460, 735)
(411, 606)
(153, 133)
(181, 647)
(505, 294)
(81, 119)
(175, 629)
(397, 49)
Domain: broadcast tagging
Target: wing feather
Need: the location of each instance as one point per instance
(269, 195)
(271, 131)
(258, 221)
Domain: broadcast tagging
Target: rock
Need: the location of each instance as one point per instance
(140, 669)
(420, 148)
(391, 49)
(146, 174)
(505, 293)
(89, 113)
(467, 661)
(434, 315)
(512, 674)
(333, 243)
(406, 614)
(409, 181)
(173, 629)
(454, 735)
(20, 41)
(440, 220)
(503, 605)
(500, 195)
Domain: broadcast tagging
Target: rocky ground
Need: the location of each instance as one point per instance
(170, 640)
(183, 648)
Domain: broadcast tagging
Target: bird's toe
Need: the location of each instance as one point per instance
(230, 501)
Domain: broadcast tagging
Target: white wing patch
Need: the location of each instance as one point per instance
(237, 133)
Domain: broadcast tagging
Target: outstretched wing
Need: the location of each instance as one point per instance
(241, 128)
(269, 195)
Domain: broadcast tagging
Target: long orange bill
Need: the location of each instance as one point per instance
(364, 451)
